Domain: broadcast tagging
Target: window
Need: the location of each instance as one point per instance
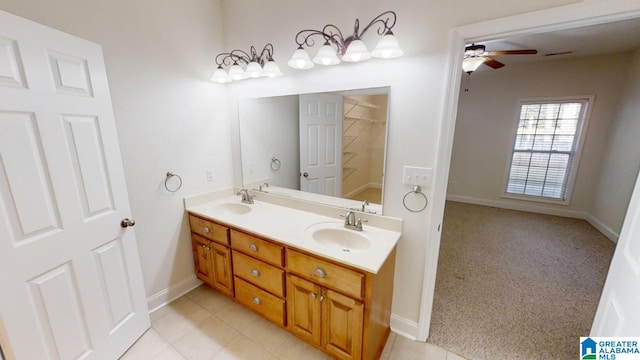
(544, 159)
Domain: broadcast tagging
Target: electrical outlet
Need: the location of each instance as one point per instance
(209, 174)
(413, 175)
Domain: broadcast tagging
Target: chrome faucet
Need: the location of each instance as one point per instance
(246, 197)
(364, 203)
(350, 221)
(264, 185)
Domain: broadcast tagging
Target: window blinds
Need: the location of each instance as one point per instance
(544, 148)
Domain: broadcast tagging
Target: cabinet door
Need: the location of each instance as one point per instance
(342, 325)
(202, 258)
(303, 309)
(222, 275)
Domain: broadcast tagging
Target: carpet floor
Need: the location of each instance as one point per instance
(516, 285)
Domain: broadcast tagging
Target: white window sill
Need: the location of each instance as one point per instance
(539, 199)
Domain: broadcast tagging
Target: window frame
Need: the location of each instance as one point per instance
(580, 135)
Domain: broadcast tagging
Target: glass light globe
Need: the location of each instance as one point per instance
(220, 76)
(236, 72)
(356, 51)
(326, 56)
(387, 48)
(300, 60)
(253, 69)
(271, 69)
(471, 64)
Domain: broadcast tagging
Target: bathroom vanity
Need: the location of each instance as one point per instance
(330, 286)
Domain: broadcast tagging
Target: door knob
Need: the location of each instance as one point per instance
(306, 174)
(126, 222)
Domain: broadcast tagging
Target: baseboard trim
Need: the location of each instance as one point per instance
(163, 297)
(518, 206)
(604, 229)
(583, 215)
(405, 327)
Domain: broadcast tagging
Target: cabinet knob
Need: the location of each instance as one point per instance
(253, 247)
(319, 272)
(256, 300)
(321, 298)
(255, 272)
(206, 247)
(206, 229)
(314, 295)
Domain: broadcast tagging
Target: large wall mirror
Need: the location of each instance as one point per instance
(323, 147)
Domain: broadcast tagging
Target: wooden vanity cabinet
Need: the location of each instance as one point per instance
(211, 258)
(339, 309)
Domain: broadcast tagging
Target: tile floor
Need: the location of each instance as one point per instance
(205, 324)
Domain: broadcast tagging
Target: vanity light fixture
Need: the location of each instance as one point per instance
(255, 65)
(349, 49)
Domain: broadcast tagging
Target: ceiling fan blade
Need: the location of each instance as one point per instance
(512, 52)
(493, 63)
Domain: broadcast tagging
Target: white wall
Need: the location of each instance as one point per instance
(621, 159)
(485, 126)
(270, 127)
(159, 56)
(415, 102)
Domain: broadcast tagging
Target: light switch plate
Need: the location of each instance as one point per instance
(414, 175)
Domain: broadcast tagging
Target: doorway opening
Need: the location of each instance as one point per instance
(574, 16)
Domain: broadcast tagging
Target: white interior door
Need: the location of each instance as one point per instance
(71, 281)
(618, 313)
(321, 144)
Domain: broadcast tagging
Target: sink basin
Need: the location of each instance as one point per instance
(234, 208)
(334, 235)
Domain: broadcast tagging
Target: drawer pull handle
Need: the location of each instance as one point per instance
(319, 272)
(314, 295)
(256, 300)
(253, 247)
(321, 298)
(206, 229)
(255, 272)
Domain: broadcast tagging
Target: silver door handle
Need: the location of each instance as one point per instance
(126, 222)
(306, 174)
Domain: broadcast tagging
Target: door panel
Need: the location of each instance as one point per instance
(87, 156)
(321, 143)
(343, 322)
(618, 313)
(222, 276)
(25, 179)
(76, 287)
(303, 309)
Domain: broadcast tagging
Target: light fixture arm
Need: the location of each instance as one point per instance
(332, 34)
(241, 56)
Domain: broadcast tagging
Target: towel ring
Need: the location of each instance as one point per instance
(275, 164)
(166, 181)
(416, 190)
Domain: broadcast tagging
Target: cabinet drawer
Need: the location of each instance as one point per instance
(326, 273)
(215, 232)
(258, 248)
(260, 301)
(258, 273)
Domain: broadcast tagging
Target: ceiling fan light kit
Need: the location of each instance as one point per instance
(476, 55)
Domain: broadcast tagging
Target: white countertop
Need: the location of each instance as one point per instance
(288, 226)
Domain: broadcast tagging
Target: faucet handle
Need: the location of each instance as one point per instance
(360, 221)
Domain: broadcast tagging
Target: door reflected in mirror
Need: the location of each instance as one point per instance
(320, 147)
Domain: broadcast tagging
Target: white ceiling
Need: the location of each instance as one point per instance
(607, 38)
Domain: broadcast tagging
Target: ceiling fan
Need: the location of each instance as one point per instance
(476, 55)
